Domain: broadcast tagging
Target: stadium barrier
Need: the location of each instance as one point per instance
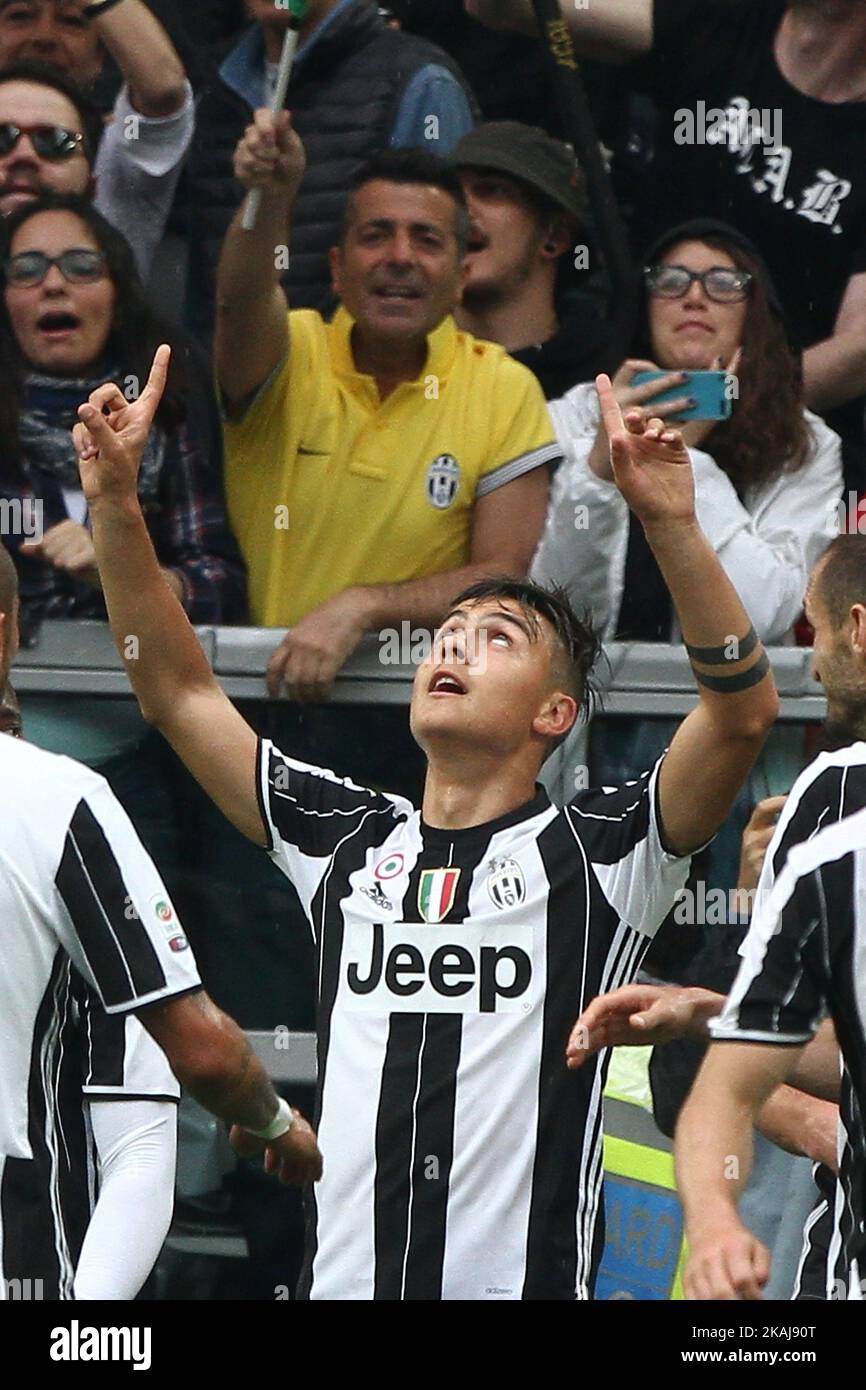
(644, 678)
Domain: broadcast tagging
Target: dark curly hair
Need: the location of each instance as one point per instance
(766, 434)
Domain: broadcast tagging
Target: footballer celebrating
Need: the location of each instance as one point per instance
(457, 942)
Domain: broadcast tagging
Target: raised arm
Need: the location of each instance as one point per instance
(145, 55)
(167, 669)
(252, 326)
(610, 30)
(717, 744)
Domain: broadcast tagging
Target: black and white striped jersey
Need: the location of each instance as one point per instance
(831, 787)
(804, 955)
(462, 1159)
(87, 934)
(823, 1272)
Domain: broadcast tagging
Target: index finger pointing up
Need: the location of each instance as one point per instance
(155, 387)
(610, 411)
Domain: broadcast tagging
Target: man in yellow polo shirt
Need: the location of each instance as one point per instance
(378, 463)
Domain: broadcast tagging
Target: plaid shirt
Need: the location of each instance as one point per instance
(186, 518)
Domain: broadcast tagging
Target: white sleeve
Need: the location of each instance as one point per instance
(137, 168)
(137, 1146)
(583, 545)
(620, 830)
(769, 544)
(109, 907)
(309, 813)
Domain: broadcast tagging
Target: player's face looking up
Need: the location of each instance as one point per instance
(496, 681)
(399, 268)
(690, 331)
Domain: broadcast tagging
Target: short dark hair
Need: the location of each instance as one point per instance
(842, 578)
(43, 75)
(579, 642)
(412, 166)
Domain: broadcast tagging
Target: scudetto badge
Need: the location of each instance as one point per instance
(436, 893)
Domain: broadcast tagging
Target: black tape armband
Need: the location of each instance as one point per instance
(719, 656)
(741, 680)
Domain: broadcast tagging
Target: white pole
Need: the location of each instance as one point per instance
(287, 57)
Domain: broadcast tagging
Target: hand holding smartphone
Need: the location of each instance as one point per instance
(709, 390)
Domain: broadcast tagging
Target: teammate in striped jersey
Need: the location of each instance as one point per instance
(817, 942)
(803, 955)
(88, 939)
(832, 788)
(457, 942)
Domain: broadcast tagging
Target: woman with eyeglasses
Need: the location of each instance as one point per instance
(767, 485)
(767, 480)
(73, 315)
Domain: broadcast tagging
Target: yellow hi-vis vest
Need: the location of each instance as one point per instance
(644, 1249)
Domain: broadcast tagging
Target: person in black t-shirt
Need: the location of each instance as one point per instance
(762, 122)
(527, 247)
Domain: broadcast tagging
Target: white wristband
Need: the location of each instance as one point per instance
(280, 1124)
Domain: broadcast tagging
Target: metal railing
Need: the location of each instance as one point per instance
(643, 678)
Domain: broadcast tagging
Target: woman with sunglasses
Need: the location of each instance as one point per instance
(767, 480)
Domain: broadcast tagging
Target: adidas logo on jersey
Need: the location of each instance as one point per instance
(410, 968)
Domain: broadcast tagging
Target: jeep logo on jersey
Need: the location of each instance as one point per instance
(436, 893)
(443, 480)
(505, 883)
(407, 968)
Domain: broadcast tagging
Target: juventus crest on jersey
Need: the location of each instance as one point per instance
(462, 1159)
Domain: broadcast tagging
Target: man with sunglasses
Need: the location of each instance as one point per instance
(49, 134)
(53, 140)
